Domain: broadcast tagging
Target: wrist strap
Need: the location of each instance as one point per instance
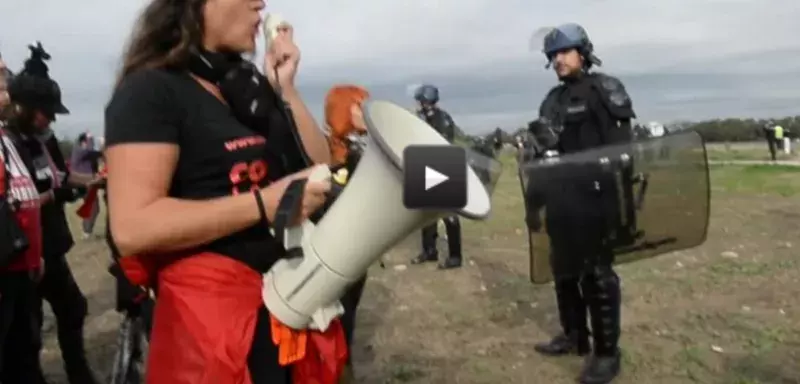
(262, 210)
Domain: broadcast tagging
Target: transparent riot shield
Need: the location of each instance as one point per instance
(486, 167)
(615, 204)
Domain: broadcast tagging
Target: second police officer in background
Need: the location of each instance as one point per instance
(427, 96)
(591, 110)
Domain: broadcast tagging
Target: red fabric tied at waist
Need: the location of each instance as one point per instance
(142, 270)
(317, 357)
(204, 323)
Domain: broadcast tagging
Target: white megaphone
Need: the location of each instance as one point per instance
(338, 250)
(272, 22)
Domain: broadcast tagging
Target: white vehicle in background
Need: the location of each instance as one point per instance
(656, 129)
(651, 130)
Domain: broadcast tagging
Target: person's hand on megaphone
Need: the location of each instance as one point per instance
(314, 196)
(282, 58)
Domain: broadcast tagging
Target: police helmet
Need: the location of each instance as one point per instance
(33, 88)
(427, 94)
(569, 36)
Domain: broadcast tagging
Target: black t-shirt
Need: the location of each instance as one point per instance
(218, 155)
(56, 236)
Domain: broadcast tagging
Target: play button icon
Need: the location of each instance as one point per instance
(435, 177)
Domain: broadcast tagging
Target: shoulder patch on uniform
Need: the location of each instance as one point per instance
(614, 89)
(614, 95)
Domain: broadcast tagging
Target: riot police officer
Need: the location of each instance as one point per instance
(427, 96)
(590, 110)
(497, 139)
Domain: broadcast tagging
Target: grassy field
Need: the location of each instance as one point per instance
(746, 151)
(726, 312)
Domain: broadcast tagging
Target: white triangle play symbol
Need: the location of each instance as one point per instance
(433, 178)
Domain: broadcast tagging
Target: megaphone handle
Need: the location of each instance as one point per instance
(292, 201)
(288, 208)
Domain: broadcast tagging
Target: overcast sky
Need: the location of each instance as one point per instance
(680, 59)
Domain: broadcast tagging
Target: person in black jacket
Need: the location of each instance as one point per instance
(586, 110)
(54, 182)
(428, 96)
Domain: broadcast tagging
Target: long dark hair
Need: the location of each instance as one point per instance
(164, 36)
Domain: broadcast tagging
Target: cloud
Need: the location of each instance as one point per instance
(679, 58)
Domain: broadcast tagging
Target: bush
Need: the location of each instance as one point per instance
(729, 130)
(743, 129)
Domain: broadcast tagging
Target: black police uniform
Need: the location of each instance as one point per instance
(444, 124)
(769, 135)
(497, 140)
(594, 110)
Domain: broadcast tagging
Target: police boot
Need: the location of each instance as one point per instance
(603, 295)
(426, 256)
(453, 228)
(429, 252)
(565, 344)
(599, 369)
(572, 315)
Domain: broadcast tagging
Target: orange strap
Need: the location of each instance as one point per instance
(291, 342)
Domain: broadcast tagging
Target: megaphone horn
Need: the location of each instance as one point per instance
(366, 221)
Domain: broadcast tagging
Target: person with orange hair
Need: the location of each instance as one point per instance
(346, 123)
(347, 129)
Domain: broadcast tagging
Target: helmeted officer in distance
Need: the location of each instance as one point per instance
(590, 110)
(427, 96)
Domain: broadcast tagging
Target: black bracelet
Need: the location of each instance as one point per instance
(262, 210)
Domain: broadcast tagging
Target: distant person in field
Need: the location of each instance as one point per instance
(769, 136)
(779, 135)
(85, 159)
(427, 97)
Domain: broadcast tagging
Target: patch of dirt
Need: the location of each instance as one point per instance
(726, 312)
